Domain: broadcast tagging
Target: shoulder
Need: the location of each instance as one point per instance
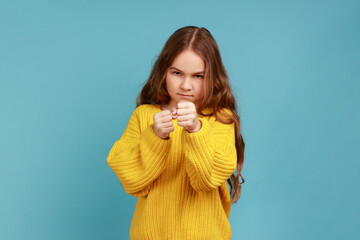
(223, 113)
(146, 108)
(146, 111)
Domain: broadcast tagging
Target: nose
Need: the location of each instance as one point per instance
(186, 84)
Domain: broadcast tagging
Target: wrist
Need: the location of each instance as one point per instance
(197, 128)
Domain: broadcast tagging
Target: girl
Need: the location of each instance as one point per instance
(182, 144)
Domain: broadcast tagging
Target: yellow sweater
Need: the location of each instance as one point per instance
(180, 183)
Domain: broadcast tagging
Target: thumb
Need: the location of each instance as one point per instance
(173, 113)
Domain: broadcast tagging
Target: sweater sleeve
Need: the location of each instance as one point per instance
(210, 154)
(138, 157)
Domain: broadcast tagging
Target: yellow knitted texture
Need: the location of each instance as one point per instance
(180, 183)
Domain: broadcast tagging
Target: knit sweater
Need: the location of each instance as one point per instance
(181, 182)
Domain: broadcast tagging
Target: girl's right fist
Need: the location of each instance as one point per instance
(163, 124)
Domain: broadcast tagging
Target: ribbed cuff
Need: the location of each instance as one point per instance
(202, 137)
(153, 150)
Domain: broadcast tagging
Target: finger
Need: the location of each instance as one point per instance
(165, 112)
(182, 118)
(184, 123)
(167, 124)
(165, 119)
(184, 104)
(184, 112)
(162, 113)
(174, 115)
(169, 129)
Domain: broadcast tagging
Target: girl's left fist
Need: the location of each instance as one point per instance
(187, 116)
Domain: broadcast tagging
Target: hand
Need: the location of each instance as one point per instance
(163, 124)
(187, 116)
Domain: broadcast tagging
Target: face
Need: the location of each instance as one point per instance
(185, 78)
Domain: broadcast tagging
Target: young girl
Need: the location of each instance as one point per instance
(182, 144)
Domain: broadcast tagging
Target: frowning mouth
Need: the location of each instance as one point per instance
(183, 95)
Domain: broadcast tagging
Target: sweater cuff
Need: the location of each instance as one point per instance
(154, 148)
(200, 136)
(202, 143)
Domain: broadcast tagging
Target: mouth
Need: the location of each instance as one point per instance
(184, 95)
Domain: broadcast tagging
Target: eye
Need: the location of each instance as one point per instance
(176, 73)
(199, 76)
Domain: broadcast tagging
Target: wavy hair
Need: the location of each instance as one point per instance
(217, 92)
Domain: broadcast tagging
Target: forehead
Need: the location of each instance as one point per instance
(188, 61)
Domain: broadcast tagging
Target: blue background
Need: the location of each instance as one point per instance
(70, 72)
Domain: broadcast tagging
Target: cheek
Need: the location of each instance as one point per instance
(175, 80)
(200, 87)
(170, 83)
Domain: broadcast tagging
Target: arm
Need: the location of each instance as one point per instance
(138, 158)
(210, 154)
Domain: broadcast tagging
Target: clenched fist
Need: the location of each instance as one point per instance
(163, 124)
(187, 116)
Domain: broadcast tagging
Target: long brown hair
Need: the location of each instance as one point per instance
(217, 91)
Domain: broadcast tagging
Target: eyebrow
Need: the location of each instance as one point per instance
(182, 71)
